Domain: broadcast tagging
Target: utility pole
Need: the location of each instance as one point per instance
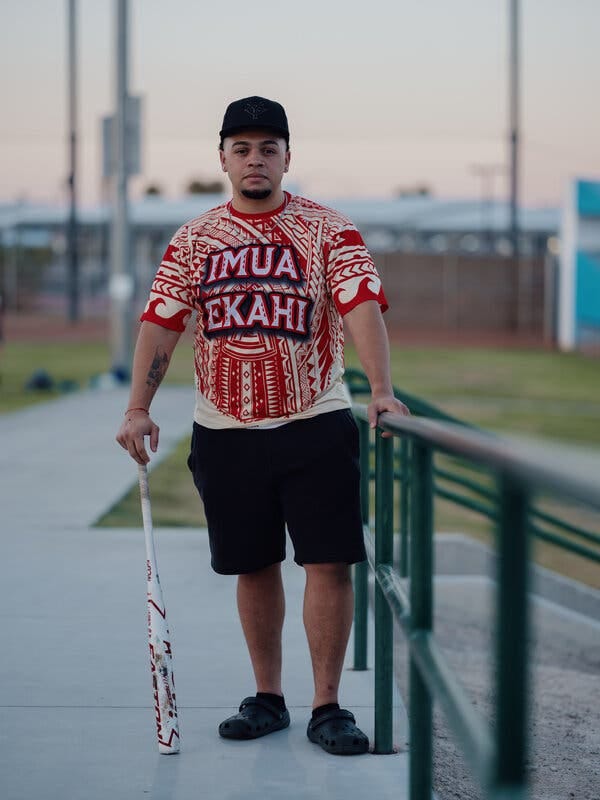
(514, 134)
(72, 248)
(121, 283)
(514, 125)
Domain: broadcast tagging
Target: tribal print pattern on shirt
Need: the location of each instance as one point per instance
(270, 291)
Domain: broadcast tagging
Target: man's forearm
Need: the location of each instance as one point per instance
(151, 360)
(369, 335)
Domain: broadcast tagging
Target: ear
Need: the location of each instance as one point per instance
(223, 161)
(287, 161)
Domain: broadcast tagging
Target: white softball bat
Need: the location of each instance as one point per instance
(159, 639)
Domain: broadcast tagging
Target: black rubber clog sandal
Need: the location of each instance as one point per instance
(336, 732)
(256, 717)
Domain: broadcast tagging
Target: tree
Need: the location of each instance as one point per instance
(198, 186)
(153, 190)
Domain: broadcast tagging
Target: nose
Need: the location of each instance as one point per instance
(255, 158)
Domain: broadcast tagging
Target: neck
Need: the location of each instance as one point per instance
(248, 206)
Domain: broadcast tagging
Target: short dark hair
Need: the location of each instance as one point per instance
(278, 136)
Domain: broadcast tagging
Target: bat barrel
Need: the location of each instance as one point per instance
(163, 682)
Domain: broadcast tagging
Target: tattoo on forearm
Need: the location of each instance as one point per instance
(159, 365)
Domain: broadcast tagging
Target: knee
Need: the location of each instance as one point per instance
(266, 575)
(337, 574)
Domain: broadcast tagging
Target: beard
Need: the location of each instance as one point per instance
(256, 194)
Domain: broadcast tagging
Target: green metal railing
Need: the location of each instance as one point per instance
(497, 755)
(466, 486)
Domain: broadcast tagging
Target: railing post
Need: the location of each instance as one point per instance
(384, 624)
(361, 571)
(421, 622)
(404, 504)
(511, 644)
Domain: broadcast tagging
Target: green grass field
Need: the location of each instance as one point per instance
(542, 394)
(546, 394)
(553, 395)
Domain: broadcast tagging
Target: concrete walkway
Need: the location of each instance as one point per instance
(75, 696)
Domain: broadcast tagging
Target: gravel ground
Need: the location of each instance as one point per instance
(564, 761)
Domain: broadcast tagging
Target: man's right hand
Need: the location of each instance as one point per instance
(135, 426)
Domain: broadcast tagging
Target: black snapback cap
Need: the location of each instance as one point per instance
(255, 112)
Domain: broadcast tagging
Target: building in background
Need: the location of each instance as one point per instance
(447, 264)
(579, 283)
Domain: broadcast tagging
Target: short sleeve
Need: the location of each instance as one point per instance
(351, 274)
(171, 299)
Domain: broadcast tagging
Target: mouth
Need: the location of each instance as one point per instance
(256, 176)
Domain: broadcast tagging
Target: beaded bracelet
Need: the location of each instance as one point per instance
(136, 409)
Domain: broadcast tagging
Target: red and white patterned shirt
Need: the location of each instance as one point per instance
(270, 291)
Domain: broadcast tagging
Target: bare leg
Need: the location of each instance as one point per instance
(261, 605)
(328, 611)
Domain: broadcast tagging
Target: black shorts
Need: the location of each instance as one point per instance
(254, 482)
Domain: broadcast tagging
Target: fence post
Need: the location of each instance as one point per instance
(421, 620)
(511, 644)
(384, 623)
(361, 571)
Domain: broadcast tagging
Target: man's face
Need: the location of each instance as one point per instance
(255, 162)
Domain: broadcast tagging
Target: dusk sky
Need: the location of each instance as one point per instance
(380, 94)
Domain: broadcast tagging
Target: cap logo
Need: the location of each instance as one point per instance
(254, 110)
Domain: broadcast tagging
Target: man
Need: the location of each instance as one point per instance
(274, 443)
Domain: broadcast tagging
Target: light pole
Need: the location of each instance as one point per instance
(121, 283)
(522, 277)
